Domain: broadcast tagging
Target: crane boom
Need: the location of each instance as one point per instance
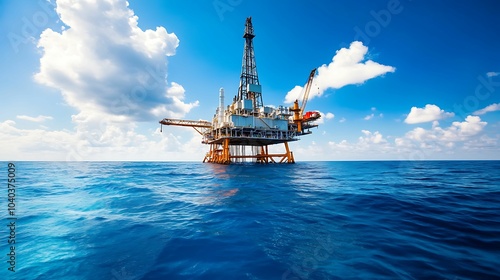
(197, 125)
(307, 90)
(189, 123)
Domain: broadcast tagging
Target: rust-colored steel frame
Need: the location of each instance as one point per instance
(219, 153)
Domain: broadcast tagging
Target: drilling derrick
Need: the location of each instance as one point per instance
(246, 128)
(249, 80)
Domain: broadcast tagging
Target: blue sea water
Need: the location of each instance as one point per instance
(310, 220)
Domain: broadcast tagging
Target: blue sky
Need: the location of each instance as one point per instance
(419, 79)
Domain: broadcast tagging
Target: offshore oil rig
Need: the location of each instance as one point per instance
(243, 130)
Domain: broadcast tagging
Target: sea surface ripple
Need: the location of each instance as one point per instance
(310, 220)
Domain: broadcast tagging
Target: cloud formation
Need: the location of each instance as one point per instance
(458, 131)
(468, 138)
(348, 67)
(369, 117)
(490, 108)
(38, 119)
(114, 74)
(329, 116)
(371, 138)
(114, 143)
(429, 113)
(103, 62)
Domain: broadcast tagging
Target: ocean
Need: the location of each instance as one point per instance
(309, 220)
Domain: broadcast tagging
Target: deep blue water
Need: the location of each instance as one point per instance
(310, 220)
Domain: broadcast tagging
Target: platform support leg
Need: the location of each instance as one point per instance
(289, 154)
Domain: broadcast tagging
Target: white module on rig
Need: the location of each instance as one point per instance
(246, 122)
(241, 113)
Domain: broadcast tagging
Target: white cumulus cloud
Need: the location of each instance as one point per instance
(329, 116)
(348, 67)
(113, 141)
(427, 114)
(371, 137)
(103, 62)
(114, 74)
(369, 117)
(38, 119)
(457, 132)
(490, 108)
(492, 74)
(470, 127)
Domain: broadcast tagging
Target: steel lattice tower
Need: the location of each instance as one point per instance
(249, 74)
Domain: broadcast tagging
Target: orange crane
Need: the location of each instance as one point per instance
(299, 117)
